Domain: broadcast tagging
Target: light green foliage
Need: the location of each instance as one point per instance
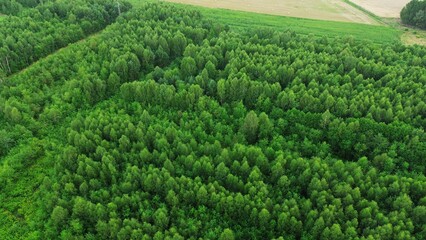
(227, 234)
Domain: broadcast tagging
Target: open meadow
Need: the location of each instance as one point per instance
(382, 8)
(324, 9)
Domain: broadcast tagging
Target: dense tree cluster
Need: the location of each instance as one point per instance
(36, 32)
(10, 7)
(145, 172)
(15, 6)
(167, 126)
(414, 14)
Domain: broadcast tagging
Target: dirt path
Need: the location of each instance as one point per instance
(383, 8)
(335, 10)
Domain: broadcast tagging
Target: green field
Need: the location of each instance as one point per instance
(239, 20)
(244, 20)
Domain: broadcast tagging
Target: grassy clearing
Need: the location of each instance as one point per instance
(414, 36)
(410, 35)
(238, 20)
(389, 15)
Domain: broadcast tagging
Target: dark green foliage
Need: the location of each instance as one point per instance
(250, 127)
(36, 32)
(10, 7)
(164, 126)
(414, 14)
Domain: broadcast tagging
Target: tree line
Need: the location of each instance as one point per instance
(414, 14)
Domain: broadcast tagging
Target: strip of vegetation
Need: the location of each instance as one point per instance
(372, 15)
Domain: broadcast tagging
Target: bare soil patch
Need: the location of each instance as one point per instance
(383, 8)
(334, 10)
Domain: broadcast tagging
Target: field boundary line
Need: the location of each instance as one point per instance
(372, 15)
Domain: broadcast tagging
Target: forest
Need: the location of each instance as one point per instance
(161, 124)
(31, 33)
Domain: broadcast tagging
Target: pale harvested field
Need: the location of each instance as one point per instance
(383, 8)
(335, 10)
